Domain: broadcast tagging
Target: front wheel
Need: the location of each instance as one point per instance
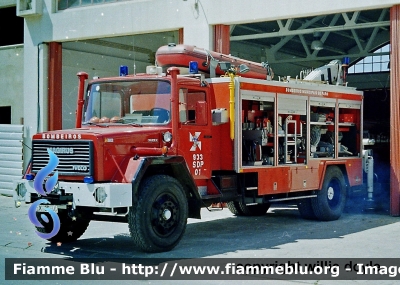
(331, 199)
(158, 220)
(72, 226)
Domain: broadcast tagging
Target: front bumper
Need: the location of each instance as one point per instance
(103, 195)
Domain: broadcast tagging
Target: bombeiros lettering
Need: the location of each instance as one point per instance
(306, 91)
(61, 136)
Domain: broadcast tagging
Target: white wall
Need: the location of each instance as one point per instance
(139, 16)
(7, 3)
(12, 81)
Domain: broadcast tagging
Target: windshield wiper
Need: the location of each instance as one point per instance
(95, 124)
(135, 124)
(106, 125)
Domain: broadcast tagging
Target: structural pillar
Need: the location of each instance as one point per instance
(222, 39)
(55, 87)
(180, 36)
(395, 111)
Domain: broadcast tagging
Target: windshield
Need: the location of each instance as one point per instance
(128, 102)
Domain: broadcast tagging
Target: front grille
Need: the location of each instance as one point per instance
(75, 157)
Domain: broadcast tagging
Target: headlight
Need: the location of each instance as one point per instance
(100, 195)
(167, 137)
(21, 190)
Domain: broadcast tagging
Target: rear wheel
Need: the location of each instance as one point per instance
(331, 199)
(234, 207)
(158, 220)
(305, 209)
(238, 208)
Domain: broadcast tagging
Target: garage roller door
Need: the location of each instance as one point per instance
(11, 157)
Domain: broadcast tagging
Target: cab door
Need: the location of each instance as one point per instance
(194, 139)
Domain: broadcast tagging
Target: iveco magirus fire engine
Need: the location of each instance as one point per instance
(198, 129)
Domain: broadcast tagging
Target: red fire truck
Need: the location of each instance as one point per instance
(197, 129)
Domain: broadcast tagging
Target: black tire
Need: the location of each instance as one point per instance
(72, 227)
(158, 220)
(254, 210)
(305, 209)
(331, 199)
(234, 207)
(238, 208)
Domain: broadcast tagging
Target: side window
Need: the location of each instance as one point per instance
(182, 105)
(192, 106)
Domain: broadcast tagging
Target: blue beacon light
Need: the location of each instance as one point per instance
(123, 70)
(193, 67)
(88, 179)
(30, 176)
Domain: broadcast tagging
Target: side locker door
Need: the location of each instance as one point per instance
(195, 137)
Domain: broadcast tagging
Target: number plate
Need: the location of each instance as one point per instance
(42, 208)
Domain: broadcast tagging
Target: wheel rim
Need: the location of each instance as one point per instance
(165, 215)
(333, 193)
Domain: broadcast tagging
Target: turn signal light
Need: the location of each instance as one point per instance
(164, 150)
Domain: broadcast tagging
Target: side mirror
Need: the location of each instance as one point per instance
(201, 113)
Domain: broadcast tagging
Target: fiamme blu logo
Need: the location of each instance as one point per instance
(47, 217)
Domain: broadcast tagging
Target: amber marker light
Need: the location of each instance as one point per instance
(164, 150)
